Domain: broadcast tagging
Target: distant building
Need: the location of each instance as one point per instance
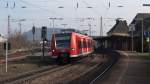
(2, 39)
(117, 38)
(121, 35)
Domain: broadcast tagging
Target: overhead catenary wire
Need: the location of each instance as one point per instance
(39, 7)
(92, 8)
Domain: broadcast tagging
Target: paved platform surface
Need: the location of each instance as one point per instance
(129, 70)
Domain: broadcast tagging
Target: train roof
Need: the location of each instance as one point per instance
(78, 34)
(82, 36)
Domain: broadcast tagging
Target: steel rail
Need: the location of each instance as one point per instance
(36, 75)
(109, 66)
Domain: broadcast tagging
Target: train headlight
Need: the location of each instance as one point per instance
(72, 49)
(53, 50)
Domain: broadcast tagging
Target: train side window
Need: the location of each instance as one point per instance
(79, 44)
(84, 44)
(89, 44)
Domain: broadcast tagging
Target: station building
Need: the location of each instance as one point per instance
(117, 38)
(120, 35)
(141, 31)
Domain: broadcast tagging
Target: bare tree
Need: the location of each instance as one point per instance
(19, 41)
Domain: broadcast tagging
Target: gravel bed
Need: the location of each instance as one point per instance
(21, 66)
(70, 73)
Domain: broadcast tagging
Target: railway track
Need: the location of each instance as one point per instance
(106, 67)
(24, 77)
(18, 55)
(31, 75)
(98, 73)
(68, 74)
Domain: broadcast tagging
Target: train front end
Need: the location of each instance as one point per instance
(60, 47)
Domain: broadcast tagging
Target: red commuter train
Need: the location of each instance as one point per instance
(65, 46)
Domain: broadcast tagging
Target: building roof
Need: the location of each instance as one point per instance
(119, 29)
(141, 18)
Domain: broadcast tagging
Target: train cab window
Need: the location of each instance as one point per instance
(63, 40)
(63, 43)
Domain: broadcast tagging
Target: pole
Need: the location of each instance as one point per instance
(8, 33)
(142, 35)
(33, 38)
(33, 34)
(149, 44)
(53, 25)
(90, 29)
(19, 26)
(6, 55)
(43, 50)
(132, 40)
(8, 26)
(101, 26)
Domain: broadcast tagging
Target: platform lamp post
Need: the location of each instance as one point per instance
(132, 29)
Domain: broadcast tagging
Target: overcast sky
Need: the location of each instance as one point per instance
(37, 12)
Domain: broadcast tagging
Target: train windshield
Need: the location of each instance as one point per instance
(63, 40)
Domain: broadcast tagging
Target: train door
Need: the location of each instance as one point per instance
(82, 46)
(87, 46)
(53, 44)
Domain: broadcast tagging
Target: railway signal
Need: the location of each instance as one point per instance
(44, 32)
(44, 37)
(33, 32)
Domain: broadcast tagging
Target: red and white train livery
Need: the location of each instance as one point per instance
(65, 46)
